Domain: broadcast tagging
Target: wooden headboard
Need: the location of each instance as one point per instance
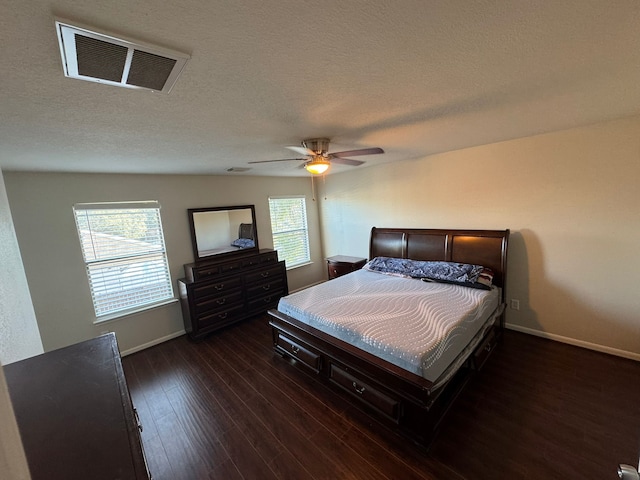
(479, 247)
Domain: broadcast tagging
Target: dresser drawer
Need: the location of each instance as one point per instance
(263, 258)
(217, 302)
(202, 273)
(299, 352)
(216, 288)
(230, 266)
(265, 274)
(362, 389)
(222, 317)
(264, 303)
(273, 285)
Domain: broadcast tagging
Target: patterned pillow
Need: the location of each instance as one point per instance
(474, 276)
(243, 243)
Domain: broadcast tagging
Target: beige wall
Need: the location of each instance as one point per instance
(19, 335)
(570, 198)
(19, 338)
(42, 213)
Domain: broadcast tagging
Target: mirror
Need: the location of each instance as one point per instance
(223, 231)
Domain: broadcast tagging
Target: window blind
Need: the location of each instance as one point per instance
(124, 252)
(289, 229)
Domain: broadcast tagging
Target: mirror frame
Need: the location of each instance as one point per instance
(223, 255)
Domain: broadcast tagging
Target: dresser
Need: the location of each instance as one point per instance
(75, 415)
(218, 293)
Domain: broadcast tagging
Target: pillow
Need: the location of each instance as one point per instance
(486, 277)
(483, 283)
(474, 276)
(243, 243)
(399, 267)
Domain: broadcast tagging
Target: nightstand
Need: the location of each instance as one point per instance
(342, 264)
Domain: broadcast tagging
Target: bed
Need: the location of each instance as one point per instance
(403, 386)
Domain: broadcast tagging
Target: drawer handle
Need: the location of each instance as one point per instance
(488, 348)
(264, 274)
(266, 287)
(221, 301)
(267, 299)
(295, 349)
(220, 286)
(140, 427)
(223, 315)
(358, 390)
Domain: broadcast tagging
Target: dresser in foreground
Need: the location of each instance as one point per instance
(75, 415)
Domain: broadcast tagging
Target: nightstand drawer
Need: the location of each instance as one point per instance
(342, 264)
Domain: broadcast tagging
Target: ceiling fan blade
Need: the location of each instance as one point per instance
(355, 153)
(301, 150)
(347, 161)
(281, 160)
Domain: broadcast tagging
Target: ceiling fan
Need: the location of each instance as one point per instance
(318, 159)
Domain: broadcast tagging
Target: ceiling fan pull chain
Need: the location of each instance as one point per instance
(324, 185)
(313, 192)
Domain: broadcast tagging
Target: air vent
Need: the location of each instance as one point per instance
(98, 57)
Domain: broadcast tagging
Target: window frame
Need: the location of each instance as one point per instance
(148, 255)
(274, 234)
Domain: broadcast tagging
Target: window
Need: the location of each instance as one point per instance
(124, 252)
(289, 229)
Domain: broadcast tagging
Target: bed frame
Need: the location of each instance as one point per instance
(403, 400)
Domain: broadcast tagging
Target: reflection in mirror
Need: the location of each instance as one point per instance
(223, 230)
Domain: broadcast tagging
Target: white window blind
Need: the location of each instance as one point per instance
(289, 229)
(124, 251)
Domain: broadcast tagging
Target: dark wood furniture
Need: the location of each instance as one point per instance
(403, 400)
(75, 414)
(339, 265)
(224, 291)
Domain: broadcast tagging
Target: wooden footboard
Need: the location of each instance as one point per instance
(408, 403)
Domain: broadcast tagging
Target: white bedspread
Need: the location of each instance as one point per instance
(416, 325)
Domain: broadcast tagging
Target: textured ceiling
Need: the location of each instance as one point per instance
(415, 77)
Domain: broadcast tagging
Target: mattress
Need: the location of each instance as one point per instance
(419, 326)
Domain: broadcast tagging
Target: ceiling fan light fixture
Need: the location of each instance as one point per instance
(317, 166)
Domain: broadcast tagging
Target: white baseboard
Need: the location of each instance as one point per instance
(577, 343)
(152, 343)
(157, 341)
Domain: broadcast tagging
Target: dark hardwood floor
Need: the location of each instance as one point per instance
(229, 408)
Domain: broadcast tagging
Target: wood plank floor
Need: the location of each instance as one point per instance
(229, 408)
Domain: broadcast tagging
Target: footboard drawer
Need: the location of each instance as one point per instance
(485, 348)
(298, 352)
(367, 393)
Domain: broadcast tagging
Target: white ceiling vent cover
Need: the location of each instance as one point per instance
(98, 57)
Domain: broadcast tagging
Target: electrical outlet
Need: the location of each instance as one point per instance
(515, 304)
